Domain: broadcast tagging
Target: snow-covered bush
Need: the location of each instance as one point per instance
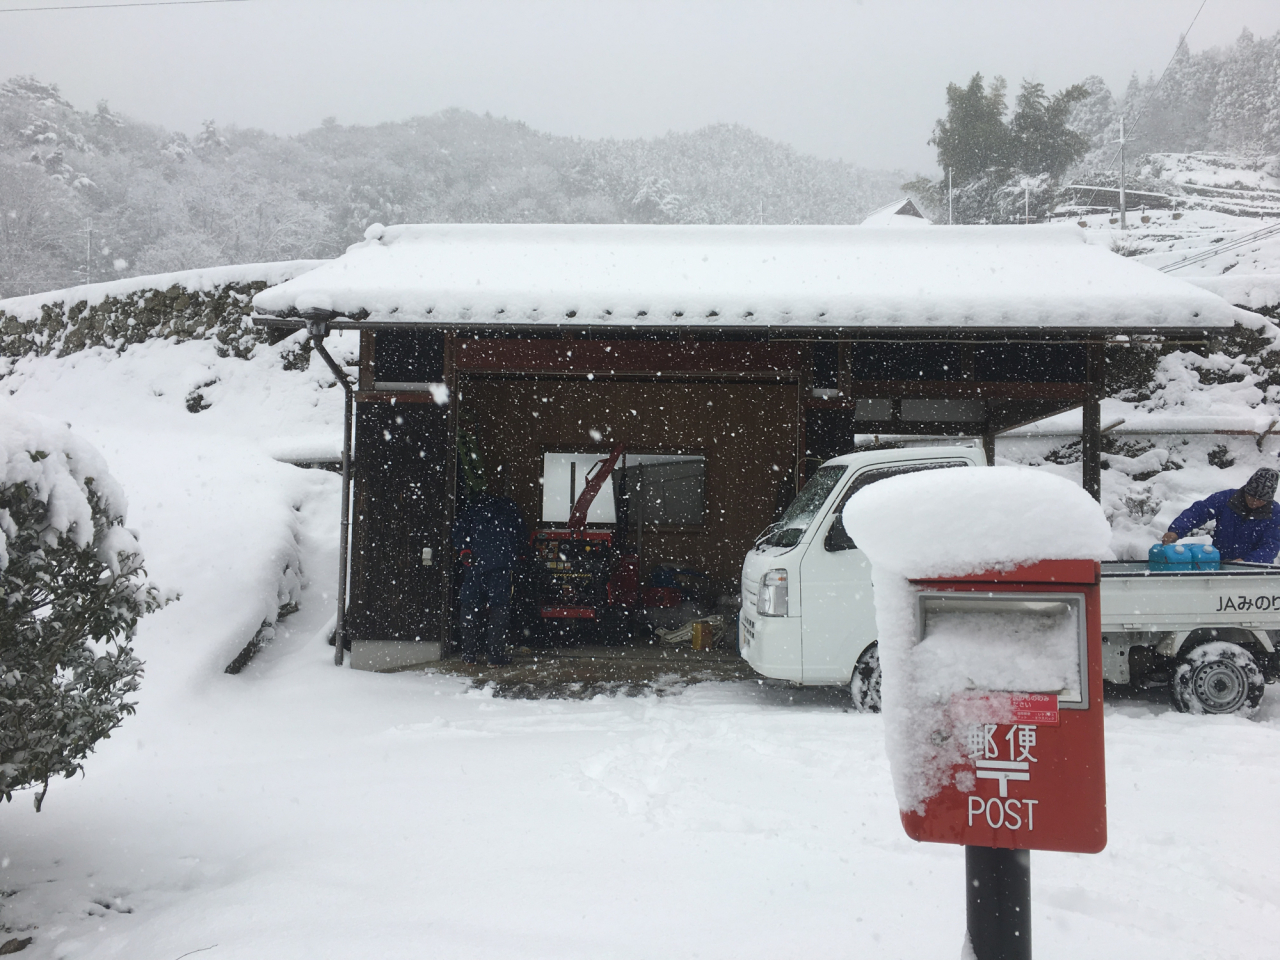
(1230, 385)
(74, 588)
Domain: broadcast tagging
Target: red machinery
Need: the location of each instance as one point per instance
(586, 574)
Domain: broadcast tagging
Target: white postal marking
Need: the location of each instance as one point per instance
(1004, 771)
(1008, 812)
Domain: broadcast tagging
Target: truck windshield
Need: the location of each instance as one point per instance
(791, 527)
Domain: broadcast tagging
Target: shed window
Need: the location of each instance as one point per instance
(664, 489)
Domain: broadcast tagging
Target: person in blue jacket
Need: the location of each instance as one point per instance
(490, 536)
(1247, 523)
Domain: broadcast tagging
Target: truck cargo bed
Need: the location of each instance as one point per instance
(1240, 594)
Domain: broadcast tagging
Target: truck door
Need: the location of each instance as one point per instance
(838, 609)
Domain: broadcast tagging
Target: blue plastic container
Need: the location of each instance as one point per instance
(1183, 556)
(1205, 556)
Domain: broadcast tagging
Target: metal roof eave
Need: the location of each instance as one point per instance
(801, 330)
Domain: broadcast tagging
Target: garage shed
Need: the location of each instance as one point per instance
(727, 362)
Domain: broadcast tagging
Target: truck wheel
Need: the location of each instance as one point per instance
(865, 685)
(1218, 677)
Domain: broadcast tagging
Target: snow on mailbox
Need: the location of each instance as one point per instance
(989, 632)
(1015, 659)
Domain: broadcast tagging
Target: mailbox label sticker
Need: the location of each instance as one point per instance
(1040, 708)
(1035, 708)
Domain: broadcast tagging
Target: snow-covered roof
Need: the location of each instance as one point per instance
(204, 279)
(746, 276)
(900, 213)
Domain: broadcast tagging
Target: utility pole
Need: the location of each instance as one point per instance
(950, 200)
(88, 252)
(1026, 200)
(1123, 224)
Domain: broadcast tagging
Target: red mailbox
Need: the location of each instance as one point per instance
(1032, 775)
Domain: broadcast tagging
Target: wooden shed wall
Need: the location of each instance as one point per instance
(747, 431)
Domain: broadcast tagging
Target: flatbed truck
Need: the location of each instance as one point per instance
(808, 610)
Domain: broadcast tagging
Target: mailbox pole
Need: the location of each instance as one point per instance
(998, 902)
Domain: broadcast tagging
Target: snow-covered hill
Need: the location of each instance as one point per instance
(1242, 186)
(1217, 182)
(1215, 221)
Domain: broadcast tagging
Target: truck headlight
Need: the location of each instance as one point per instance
(772, 598)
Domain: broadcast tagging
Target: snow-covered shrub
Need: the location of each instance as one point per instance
(993, 196)
(1184, 393)
(74, 588)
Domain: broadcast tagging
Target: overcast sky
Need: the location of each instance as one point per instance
(862, 81)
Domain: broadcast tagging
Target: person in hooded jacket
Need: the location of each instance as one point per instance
(490, 536)
(1247, 524)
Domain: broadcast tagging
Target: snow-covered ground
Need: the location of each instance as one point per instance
(299, 810)
(304, 811)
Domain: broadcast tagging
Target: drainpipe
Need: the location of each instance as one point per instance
(318, 329)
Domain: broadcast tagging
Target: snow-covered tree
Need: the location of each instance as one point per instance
(74, 589)
(1094, 114)
(991, 158)
(209, 138)
(1245, 113)
(41, 230)
(1175, 114)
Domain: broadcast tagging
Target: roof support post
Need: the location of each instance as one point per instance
(1091, 425)
(453, 381)
(318, 328)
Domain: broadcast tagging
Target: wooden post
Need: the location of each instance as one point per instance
(366, 361)
(319, 330)
(989, 446)
(451, 381)
(1091, 426)
(802, 393)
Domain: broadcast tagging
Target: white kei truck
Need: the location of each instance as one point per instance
(808, 613)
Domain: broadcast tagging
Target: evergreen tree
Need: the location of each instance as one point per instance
(1093, 114)
(1244, 112)
(1176, 115)
(973, 137)
(1043, 141)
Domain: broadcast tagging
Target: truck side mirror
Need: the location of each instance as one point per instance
(838, 537)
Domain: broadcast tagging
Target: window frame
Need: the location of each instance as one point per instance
(651, 527)
(837, 539)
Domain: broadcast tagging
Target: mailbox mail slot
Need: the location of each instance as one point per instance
(1017, 657)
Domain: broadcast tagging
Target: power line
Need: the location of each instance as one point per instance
(1181, 40)
(111, 6)
(1241, 241)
